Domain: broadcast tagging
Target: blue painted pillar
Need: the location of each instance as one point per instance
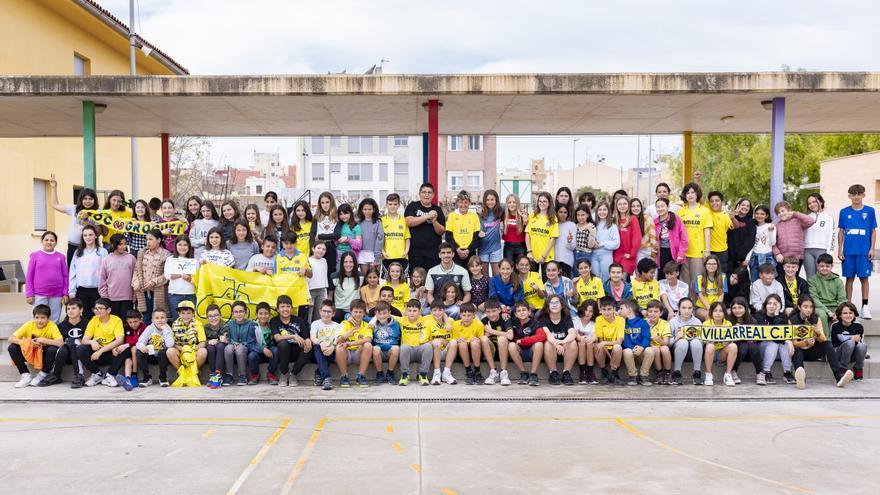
(777, 152)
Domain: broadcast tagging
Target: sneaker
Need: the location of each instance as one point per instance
(676, 378)
(242, 381)
(761, 379)
(490, 380)
(728, 380)
(554, 378)
(698, 378)
(505, 378)
(478, 377)
(37, 379)
(788, 378)
(632, 381)
(606, 377)
(469, 377)
(859, 374)
(163, 382)
(582, 376)
(436, 378)
(95, 379)
(123, 382)
(49, 381)
(273, 379)
(293, 381)
(134, 381)
(659, 379)
(78, 381)
(616, 379)
(148, 380)
(404, 380)
(343, 382)
(253, 379)
(390, 378)
(769, 377)
(327, 384)
(591, 377)
(708, 381)
(423, 379)
(566, 378)
(533, 380)
(845, 378)
(380, 377)
(361, 381)
(523, 379)
(24, 381)
(800, 376)
(284, 380)
(109, 381)
(318, 380)
(646, 381)
(227, 380)
(736, 379)
(215, 381)
(866, 313)
(448, 378)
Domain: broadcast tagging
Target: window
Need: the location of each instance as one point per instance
(354, 144)
(383, 144)
(317, 145)
(383, 193)
(367, 144)
(383, 171)
(317, 171)
(259, 189)
(335, 168)
(41, 210)
(475, 181)
(335, 141)
(81, 65)
(404, 195)
(455, 181)
(456, 143)
(360, 171)
(475, 143)
(401, 168)
(401, 141)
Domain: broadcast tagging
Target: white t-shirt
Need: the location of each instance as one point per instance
(180, 266)
(74, 235)
(652, 209)
(319, 273)
(674, 294)
(260, 261)
(325, 332)
(584, 330)
(218, 257)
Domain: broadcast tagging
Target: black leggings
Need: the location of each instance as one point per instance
(113, 363)
(119, 308)
(216, 359)
(289, 351)
(819, 350)
(20, 363)
(145, 360)
(89, 296)
(66, 355)
(750, 348)
(513, 250)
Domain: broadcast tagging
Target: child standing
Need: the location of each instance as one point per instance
(607, 241)
(791, 228)
(317, 283)
(514, 227)
(301, 225)
(199, 228)
(463, 230)
(372, 236)
(630, 236)
(216, 252)
(541, 232)
(697, 221)
(85, 269)
(857, 231)
(490, 231)
(46, 280)
(350, 234)
(179, 270)
(116, 274)
(396, 234)
(765, 241)
(585, 234)
(710, 286)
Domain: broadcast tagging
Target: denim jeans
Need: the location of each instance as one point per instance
(602, 259)
(756, 261)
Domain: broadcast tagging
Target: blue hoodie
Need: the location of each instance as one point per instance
(504, 292)
(636, 333)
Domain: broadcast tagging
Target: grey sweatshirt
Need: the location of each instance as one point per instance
(373, 237)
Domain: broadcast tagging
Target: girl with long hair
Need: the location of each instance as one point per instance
(513, 225)
(86, 200)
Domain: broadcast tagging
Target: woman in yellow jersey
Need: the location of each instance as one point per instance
(728, 350)
(697, 220)
(301, 225)
(587, 286)
(115, 203)
(462, 230)
(541, 232)
(531, 283)
(397, 281)
(709, 287)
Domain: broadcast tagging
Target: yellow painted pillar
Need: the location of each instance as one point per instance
(688, 158)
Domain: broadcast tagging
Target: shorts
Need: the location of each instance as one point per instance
(354, 356)
(493, 257)
(366, 257)
(385, 354)
(526, 353)
(856, 266)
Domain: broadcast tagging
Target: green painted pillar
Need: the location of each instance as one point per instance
(89, 168)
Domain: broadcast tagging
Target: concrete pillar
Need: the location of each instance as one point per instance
(777, 152)
(166, 167)
(89, 168)
(688, 169)
(433, 144)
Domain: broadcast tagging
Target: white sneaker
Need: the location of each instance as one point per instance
(728, 380)
(866, 313)
(436, 378)
(110, 381)
(95, 379)
(24, 381)
(708, 380)
(736, 379)
(845, 378)
(505, 379)
(800, 378)
(37, 379)
(491, 379)
(448, 378)
(292, 380)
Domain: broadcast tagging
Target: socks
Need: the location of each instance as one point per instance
(864, 302)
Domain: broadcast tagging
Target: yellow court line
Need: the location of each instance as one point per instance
(209, 433)
(626, 426)
(389, 429)
(267, 445)
(134, 420)
(613, 418)
(447, 491)
(416, 468)
(396, 446)
(304, 456)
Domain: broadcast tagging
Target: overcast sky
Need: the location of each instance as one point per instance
(288, 37)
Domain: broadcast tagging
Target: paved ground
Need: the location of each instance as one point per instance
(414, 440)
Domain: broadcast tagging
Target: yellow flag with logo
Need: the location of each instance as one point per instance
(223, 286)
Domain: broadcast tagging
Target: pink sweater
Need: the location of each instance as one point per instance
(790, 235)
(678, 239)
(117, 272)
(46, 275)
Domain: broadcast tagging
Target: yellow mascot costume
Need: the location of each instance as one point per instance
(188, 373)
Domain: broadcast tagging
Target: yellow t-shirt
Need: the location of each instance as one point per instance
(609, 331)
(589, 290)
(710, 323)
(370, 296)
(695, 222)
(475, 329)
(645, 291)
(116, 215)
(362, 332)
(792, 289)
(303, 239)
(29, 330)
(531, 295)
(721, 223)
(712, 292)
(413, 333)
(104, 333)
(396, 233)
(401, 296)
(295, 265)
(435, 328)
(540, 234)
(660, 331)
(463, 227)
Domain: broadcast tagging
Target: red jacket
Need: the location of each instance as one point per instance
(630, 242)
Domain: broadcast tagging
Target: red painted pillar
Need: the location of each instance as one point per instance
(433, 144)
(166, 167)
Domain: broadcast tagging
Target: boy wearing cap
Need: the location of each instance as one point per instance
(187, 331)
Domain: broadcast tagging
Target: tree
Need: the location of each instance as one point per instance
(190, 169)
(598, 193)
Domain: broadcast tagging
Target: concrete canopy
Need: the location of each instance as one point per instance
(500, 104)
